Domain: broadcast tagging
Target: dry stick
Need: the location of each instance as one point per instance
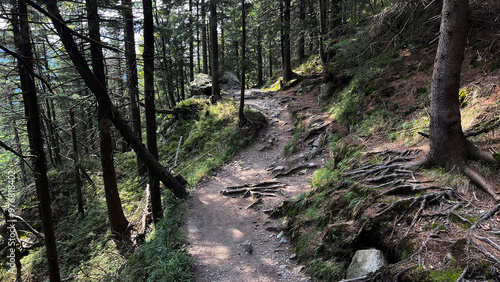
(423, 204)
(461, 277)
(33, 230)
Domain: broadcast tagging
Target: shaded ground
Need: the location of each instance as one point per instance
(221, 230)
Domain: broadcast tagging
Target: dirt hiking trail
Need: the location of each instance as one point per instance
(229, 235)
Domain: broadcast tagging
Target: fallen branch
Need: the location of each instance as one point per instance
(486, 216)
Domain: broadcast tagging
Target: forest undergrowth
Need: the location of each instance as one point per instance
(431, 224)
(89, 252)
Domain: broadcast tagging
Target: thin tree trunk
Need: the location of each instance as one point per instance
(132, 78)
(169, 77)
(191, 42)
(287, 68)
(260, 70)
(35, 139)
(322, 31)
(215, 51)
(270, 58)
(117, 220)
(302, 34)
(198, 42)
(19, 147)
(204, 37)
(241, 115)
(103, 98)
(76, 158)
(149, 93)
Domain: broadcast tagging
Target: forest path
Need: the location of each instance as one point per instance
(220, 229)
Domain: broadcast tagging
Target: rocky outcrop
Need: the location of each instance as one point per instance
(201, 85)
(229, 81)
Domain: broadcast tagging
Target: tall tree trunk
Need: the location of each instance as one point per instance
(222, 43)
(181, 80)
(191, 42)
(19, 146)
(260, 65)
(170, 87)
(76, 159)
(103, 98)
(302, 34)
(198, 41)
(270, 58)
(204, 41)
(322, 31)
(312, 16)
(241, 115)
(149, 93)
(117, 220)
(448, 144)
(35, 138)
(287, 67)
(214, 51)
(132, 78)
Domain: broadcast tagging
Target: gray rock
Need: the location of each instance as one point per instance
(326, 91)
(309, 82)
(247, 247)
(365, 262)
(201, 85)
(229, 81)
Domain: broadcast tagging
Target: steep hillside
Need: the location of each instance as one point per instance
(432, 224)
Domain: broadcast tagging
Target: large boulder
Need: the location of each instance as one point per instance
(326, 90)
(365, 262)
(229, 81)
(201, 85)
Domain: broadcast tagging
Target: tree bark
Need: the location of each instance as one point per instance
(191, 42)
(448, 146)
(241, 115)
(260, 65)
(149, 93)
(287, 64)
(103, 98)
(132, 78)
(322, 31)
(35, 139)
(302, 34)
(76, 158)
(117, 220)
(204, 40)
(214, 51)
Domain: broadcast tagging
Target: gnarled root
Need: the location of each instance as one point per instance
(480, 181)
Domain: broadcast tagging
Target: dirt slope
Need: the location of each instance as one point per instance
(221, 229)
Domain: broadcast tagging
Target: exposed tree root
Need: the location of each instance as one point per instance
(486, 216)
(482, 130)
(256, 190)
(302, 166)
(486, 253)
(480, 181)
